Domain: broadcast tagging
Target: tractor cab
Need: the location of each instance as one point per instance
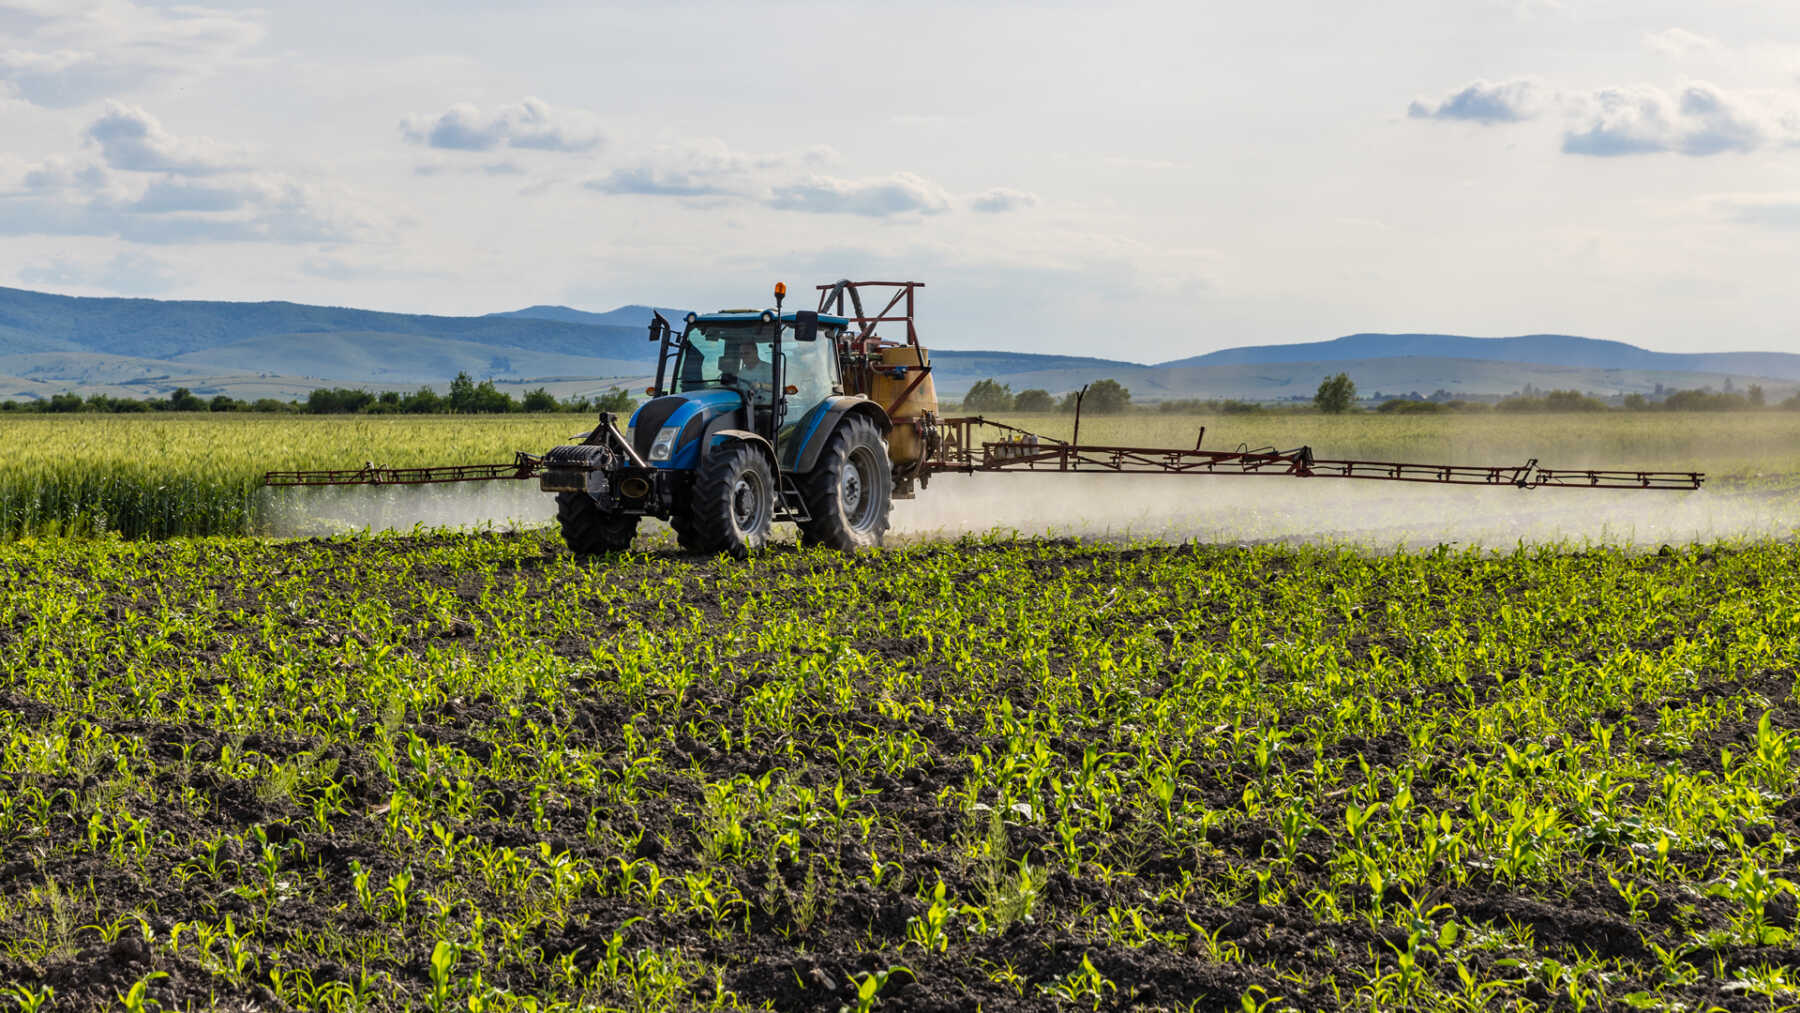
(744, 370)
(736, 351)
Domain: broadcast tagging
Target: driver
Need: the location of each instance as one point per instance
(743, 365)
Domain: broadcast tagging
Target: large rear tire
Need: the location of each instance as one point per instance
(590, 531)
(733, 503)
(850, 490)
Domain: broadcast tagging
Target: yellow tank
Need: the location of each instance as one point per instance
(904, 444)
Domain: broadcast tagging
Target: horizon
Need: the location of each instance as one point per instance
(928, 344)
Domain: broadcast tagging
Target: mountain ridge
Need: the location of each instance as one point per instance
(97, 344)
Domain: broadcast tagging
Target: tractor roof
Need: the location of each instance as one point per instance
(752, 316)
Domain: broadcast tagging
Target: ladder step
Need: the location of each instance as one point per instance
(793, 504)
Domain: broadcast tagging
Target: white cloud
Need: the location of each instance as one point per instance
(1680, 43)
(532, 123)
(145, 190)
(68, 54)
(1774, 210)
(1002, 199)
(876, 197)
(1702, 120)
(785, 181)
(133, 140)
(1485, 102)
(708, 168)
(129, 273)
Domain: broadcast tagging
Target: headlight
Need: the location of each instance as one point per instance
(664, 446)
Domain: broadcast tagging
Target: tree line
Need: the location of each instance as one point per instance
(466, 396)
(1103, 397)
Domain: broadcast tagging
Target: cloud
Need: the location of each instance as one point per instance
(708, 168)
(151, 186)
(710, 171)
(532, 123)
(71, 53)
(127, 273)
(652, 181)
(878, 197)
(1485, 102)
(1001, 199)
(164, 196)
(1679, 43)
(332, 268)
(1702, 120)
(1780, 211)
(133, 140)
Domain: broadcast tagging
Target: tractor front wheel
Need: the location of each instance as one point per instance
(850, 491)
(733, 503)
(589, 530)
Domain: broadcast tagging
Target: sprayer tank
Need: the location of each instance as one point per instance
(902, 384)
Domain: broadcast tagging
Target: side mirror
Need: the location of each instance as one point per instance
(806, 325)
(659, 327)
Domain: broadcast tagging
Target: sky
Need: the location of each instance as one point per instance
(1140, 181)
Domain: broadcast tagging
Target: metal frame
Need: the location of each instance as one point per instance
(524, 466)
(960, 451)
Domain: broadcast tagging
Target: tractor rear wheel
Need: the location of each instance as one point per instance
(850, 490)
(733, 503)
(589, 530)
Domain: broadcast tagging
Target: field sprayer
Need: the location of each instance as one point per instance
(813, 417)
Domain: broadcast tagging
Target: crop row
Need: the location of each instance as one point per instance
(471, 771)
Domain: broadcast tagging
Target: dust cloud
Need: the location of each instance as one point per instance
(1223, 509)
(1239, 509)
(332, 510)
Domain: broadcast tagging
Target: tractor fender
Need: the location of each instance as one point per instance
(822, 421)
(723, 437)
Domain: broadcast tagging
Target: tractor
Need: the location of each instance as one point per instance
(756, 417)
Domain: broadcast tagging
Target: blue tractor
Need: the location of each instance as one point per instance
(757, 416)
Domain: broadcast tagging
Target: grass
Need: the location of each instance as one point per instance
(198, 474)
(473, 772)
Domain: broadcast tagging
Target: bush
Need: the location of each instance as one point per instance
(1403, 406)
(617, 400)
(1706, 401)
(1336, 394)
(1034, 400)
(1104, 397)
(338, 401)
(988, 396)
(1554, 401)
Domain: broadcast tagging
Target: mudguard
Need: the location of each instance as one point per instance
(720, 437)
(801, 453)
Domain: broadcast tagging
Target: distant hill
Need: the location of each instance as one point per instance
(624, 316)
(155, 329)
(1544, 349)
(146, 347)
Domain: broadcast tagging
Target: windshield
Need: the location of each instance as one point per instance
(737, 356)
(727, 355)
